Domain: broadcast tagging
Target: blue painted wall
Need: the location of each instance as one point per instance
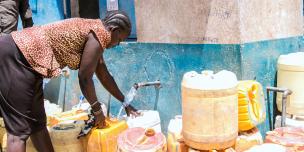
(137, 62)
(124, 5)
(45, 11)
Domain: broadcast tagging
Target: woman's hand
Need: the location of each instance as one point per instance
(100, 121)
(130, 110)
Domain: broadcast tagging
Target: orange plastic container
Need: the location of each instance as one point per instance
(105, 140)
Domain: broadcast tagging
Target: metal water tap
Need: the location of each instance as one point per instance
(286, 92)
(156, 84)
(66, 74)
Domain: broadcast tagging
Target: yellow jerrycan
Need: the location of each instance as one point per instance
(105, 140)
(251, 104)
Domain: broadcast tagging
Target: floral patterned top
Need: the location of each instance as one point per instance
(49, 48)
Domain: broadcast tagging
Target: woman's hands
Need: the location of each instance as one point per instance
(130, 110)
(100, 119)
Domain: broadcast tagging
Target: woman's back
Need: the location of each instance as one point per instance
(49, 48)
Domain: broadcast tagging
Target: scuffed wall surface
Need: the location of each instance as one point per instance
(217, 21)
(269, 19)
(194, 21)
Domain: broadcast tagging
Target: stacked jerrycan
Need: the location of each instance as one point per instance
(251, 104)
(210, 110)
(291, 76)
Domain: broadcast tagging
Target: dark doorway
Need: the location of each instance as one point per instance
(89, 9)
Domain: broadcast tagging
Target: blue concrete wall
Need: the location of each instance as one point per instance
(124, 5)
(45, 11)
(137, 62)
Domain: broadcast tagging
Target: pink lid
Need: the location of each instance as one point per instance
(134, 139)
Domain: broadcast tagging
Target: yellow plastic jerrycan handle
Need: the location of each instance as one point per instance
(255, 105)
(109, 123)
(250, 104)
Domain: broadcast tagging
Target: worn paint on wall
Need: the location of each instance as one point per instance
(136, 62)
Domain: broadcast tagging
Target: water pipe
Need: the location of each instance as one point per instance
(286, 92)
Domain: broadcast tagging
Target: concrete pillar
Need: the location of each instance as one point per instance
(217, 21)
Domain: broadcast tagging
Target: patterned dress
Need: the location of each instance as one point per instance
(49, 48)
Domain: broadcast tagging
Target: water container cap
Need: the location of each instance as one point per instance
(175, 125)
(296, 59)
(207, 80)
